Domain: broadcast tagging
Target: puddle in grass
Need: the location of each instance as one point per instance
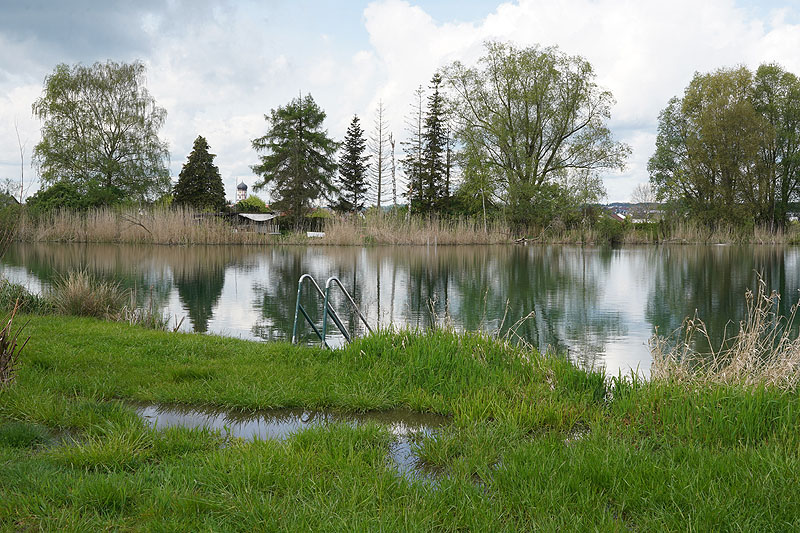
(279, 424)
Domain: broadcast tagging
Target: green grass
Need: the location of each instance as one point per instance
(534, 443)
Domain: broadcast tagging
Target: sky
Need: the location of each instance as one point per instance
(218, 67)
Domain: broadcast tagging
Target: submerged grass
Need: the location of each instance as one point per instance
(534, 442)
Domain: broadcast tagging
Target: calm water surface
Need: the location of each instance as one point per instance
(600, 304)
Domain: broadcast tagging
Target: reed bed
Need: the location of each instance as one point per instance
(186, 226)
(395, 230)
(135, 226)
(765, 351)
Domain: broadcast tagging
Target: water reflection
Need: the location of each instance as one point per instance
(600, 304)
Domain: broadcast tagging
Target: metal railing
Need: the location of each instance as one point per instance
(327, 310)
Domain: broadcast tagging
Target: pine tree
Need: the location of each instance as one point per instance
(434, 164)
(353, 168)
(199, 183)
(300, 158)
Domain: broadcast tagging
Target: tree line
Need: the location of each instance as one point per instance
(522, 135)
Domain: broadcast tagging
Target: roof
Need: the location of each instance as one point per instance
(258, 217)
(242, 186)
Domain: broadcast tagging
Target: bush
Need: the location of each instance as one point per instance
(251, 204)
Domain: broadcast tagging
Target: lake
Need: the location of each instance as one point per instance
(599, 304)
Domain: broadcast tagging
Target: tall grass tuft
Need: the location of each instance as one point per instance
(764, 351)
(14, 294)
(81, 294)
(10, 350)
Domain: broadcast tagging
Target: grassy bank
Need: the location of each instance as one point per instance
(533, 443)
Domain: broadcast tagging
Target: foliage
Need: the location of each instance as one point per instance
(251, 204)
(101, 131)
(432, 182)
(729, 149)
(534, 116)
(353, 168)
(199, 183)
(71, 197)
(299, 157)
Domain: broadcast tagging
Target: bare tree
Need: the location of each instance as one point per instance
(413, 148)
(379, 147)
(21, 161)
(643, 197)
(394, 174)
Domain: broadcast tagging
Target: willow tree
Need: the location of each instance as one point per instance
(100, 132)
(729, 148)
(299, 161)
(536, 116)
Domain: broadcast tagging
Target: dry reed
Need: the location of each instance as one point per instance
(10, 350)
(764, 351)
(134, 226)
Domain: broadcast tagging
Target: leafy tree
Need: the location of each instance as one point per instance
(251, 204)
(101, 131)
(199, 183)
(299, 160)
(536, 115)
(729, 149)
(65, 195)
(353, 168)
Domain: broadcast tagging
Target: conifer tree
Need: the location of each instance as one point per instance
(353, 168)
(299, 162)
(199, 183)
(434, 164)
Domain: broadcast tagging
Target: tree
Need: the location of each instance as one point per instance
(101, 129)
(434, 148)
(199, 183)
(536, 115)
(379, 147)
(251, 204)
(643, 198)
(413, 150)
(299, 160)
(729, 149)
(353, 168)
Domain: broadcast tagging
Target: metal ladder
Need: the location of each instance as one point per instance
(328, 310)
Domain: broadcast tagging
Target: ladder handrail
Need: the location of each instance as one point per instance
(299, 309)
(328, 286)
